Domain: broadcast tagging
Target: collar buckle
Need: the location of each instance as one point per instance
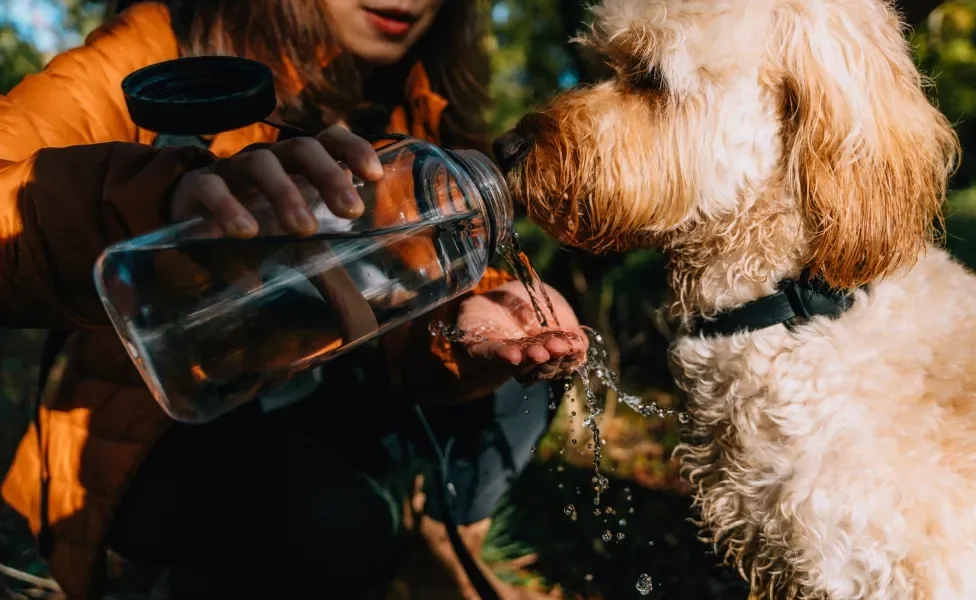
(791, 288)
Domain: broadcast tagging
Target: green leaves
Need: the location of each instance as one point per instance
(946, 47)
(17, 58)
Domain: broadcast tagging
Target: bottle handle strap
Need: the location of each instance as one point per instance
(357, 319)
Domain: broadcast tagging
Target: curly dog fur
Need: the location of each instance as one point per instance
(750, 139)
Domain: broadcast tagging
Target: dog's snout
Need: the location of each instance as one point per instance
(509, 148)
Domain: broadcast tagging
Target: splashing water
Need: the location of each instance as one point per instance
(644, 584)
(595, 409)
(596, 371)
(455, 334)
(597, 366)
(524, 271)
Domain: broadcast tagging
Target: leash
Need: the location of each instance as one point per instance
(478, 579)
(55, 342)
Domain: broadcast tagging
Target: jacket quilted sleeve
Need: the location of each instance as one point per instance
(76, 174)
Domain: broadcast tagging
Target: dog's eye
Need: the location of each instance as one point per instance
(648, 79)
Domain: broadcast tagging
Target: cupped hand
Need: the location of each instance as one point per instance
(276, 173)
(501, 329)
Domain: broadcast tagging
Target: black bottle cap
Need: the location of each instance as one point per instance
(200, 95)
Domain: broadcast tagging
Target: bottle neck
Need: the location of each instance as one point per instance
(490, 183)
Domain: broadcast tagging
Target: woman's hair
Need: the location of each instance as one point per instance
(293, 37)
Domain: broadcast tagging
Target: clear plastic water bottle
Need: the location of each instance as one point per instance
(213, 322)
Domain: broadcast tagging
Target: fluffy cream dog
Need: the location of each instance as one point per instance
(752, 140)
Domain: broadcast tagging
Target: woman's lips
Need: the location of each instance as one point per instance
(390, 22)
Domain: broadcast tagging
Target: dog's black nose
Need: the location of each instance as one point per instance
(509, 148)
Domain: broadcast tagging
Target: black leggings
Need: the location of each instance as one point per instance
(284, 503)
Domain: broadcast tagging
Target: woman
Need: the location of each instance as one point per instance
(262, 499)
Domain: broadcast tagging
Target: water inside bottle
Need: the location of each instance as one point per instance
(213, 300)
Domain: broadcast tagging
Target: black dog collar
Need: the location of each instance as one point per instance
(796, 300)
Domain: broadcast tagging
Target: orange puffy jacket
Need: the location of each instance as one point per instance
(76, 175)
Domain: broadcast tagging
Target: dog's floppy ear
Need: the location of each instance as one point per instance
(867, 155)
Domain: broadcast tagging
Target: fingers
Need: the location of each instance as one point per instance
(497, 350)
(310, 158)
(268, 174)
(544, 356)
(353, 150)
(271, 170)
(210, 192)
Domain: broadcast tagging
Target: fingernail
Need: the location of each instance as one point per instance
(306, 221)
(351, 202)
(300, 221)
(241, 225)
(376, 169)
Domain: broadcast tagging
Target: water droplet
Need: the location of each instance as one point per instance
(588, 577)
(650, 543)
(684, 418)
(607, 536)
(609, 510)
(526, 411)
(620, 536)
(589, 445)
(623, 522)
(631, 511)
(570, 509)
(574, 442)
(604, 482)
(560, 486)
(596, 512)
(572, 414)
(630, 498)
(644, 584)
(596, 500)
(560, 468)
(533, 449)
(562, 451)
(552, 406)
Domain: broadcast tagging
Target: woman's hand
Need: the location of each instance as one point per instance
(502, 330)
(270, 173)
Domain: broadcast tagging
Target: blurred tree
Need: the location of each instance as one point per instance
(916, 10)
(17, 57)
(82, 16)
(946, 45)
